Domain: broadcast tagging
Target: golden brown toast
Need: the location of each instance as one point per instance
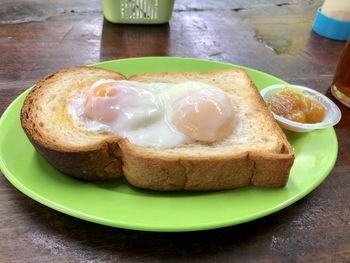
(257, 152)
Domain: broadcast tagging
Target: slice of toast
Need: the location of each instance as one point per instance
(257, 152)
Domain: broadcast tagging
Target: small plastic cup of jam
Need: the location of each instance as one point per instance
(319, 103)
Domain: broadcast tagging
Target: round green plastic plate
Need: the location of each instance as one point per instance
(115, 203)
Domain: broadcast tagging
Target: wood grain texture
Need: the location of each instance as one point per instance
(38, 37)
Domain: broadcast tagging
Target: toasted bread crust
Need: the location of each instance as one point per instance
(97, 161)
(194, 174)
(90, 165)
(113, 156)
(205, 174)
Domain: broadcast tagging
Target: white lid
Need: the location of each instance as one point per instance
(337, 9)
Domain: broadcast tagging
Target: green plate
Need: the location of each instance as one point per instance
(117, 204)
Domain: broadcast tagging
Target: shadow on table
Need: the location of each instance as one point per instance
(122, 40)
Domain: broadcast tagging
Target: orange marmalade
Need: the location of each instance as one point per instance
(295, 106)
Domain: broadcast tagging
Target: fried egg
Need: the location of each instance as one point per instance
(154, 114)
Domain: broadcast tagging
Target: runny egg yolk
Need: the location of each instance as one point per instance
(104, 90)
(205, 118)
(99, 104)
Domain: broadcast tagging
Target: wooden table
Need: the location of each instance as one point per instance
(38, 37)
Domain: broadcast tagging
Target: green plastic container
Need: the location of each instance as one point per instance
(138, 11)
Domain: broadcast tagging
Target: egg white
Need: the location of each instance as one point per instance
(144, 119)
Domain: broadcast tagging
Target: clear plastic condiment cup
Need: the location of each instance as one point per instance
(333, 114)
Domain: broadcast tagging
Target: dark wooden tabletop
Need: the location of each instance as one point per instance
(275, 36)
